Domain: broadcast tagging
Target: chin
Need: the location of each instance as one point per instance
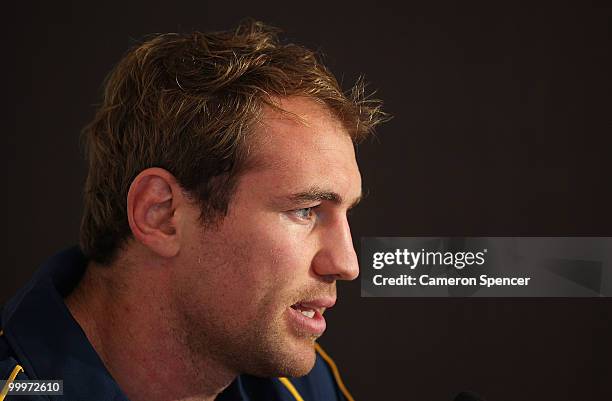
(293, 360)
(301, 365)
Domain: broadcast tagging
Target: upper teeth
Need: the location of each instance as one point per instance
(308, 313)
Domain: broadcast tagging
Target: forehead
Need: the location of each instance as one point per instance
(304, 144)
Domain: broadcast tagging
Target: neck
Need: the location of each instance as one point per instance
(128, 319)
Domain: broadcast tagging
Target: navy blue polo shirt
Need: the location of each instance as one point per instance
(40, 340)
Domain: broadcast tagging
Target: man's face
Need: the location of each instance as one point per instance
(251, 291)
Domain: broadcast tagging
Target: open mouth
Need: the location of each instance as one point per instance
(304, 310)
(306, 316)
(307, 319)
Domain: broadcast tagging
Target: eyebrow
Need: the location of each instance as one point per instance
(317, 194)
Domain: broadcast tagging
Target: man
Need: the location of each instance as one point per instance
(221, 170)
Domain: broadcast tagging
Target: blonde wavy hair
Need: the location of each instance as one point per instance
(187, 103)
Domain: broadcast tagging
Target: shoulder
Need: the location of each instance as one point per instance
(8, 363)
(10, 369)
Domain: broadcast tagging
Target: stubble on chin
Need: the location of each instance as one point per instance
(264, 351)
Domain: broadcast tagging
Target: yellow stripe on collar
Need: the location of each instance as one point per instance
(289, 386)
(10, 379)
(335, 372)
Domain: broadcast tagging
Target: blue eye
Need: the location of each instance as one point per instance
(304, 213)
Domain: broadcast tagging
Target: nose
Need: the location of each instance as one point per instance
(336, 258)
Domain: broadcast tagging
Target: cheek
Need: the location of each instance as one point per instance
(254, 260)
(272, 241)
(274, 262)
(276, 259)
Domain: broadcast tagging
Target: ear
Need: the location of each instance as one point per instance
(152, 201)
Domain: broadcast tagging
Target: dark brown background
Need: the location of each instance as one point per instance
(502, 127)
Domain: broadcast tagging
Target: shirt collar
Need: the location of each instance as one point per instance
(51, 345)
(47, 340)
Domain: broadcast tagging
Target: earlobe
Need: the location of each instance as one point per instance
(151, 206)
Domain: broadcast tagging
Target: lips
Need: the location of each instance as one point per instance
(307, 316)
